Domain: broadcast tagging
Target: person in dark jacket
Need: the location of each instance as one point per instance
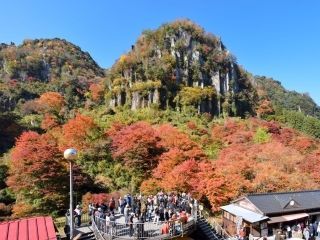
(140, 228)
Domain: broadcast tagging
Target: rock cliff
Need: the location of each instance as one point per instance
(180, 65)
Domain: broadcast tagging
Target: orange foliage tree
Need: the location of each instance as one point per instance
(49, 121)
(51, 102)
(79, 133)
(265, 108)
(96, 92)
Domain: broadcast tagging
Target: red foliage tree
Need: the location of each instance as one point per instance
(309, 166)
(137, 145)
(78, 132)
(168, 161)
(217, 187)
(181, 178)
(36, 172)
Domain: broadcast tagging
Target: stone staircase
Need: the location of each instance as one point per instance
(83, 233)
(205, 231)
(86, 236)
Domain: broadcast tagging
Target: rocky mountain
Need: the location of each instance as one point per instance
(289, 100)
(54, 96)
(41, 65)
(180, 65)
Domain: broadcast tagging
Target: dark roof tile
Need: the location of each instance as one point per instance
(269, 203)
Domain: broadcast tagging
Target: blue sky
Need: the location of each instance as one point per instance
(275, 38)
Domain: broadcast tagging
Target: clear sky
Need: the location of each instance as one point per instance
(275, 38)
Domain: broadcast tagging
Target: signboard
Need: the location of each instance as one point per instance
(238, 223)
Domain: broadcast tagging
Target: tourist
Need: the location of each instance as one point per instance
(318, 229)
(161, 212)
(166, 214)
(128, 199)
(108, 224)
(183, 217)
(242, 233)
(126, 213)
(112, 204)
(156, 215)
(120, 201)
(149, 211)
(306, 233)
(311, 230)
(78, 213)
(155, 200)
(91, 209)
(138, 208)
(314, 228)
(143, 208)
(165, 228)
(134, 204)
(131, 224)
(289, 232)
(123, 205)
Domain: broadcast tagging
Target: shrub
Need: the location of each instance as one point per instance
(261, 136)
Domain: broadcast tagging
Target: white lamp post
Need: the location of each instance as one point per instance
(70, 154)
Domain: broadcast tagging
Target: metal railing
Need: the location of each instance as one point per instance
(215, 225)
(61, 222)
(139, 230)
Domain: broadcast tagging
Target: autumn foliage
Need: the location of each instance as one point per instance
(137, 145)
(78, 133)
(36, 172)
(98, 198)
(51, 102)
(278, 163)
(96, 92)
(251, 155)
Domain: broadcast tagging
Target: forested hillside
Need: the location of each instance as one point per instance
(42, 65)
(175, 113)
(289, 100)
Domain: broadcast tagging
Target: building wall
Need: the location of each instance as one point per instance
(229, 222)
(229, 226)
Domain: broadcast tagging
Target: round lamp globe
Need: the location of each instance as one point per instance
(70, 154)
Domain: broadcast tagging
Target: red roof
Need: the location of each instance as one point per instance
(34, 228)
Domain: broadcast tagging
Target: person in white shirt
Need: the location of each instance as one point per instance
(108, 224)
(78, 213)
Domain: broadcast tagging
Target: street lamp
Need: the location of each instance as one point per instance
(70, 154)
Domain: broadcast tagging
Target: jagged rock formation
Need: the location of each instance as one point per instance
(180, 65)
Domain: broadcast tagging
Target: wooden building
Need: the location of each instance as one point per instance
(264, 214)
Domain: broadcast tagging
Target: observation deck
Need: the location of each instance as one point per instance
(142, 230)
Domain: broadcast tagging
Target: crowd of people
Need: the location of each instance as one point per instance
(302, 231)
(162, 208)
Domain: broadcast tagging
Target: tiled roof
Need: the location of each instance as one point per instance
(280, 202)
(35, 228)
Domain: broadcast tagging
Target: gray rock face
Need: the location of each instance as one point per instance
(136, 100)
(197, 63)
